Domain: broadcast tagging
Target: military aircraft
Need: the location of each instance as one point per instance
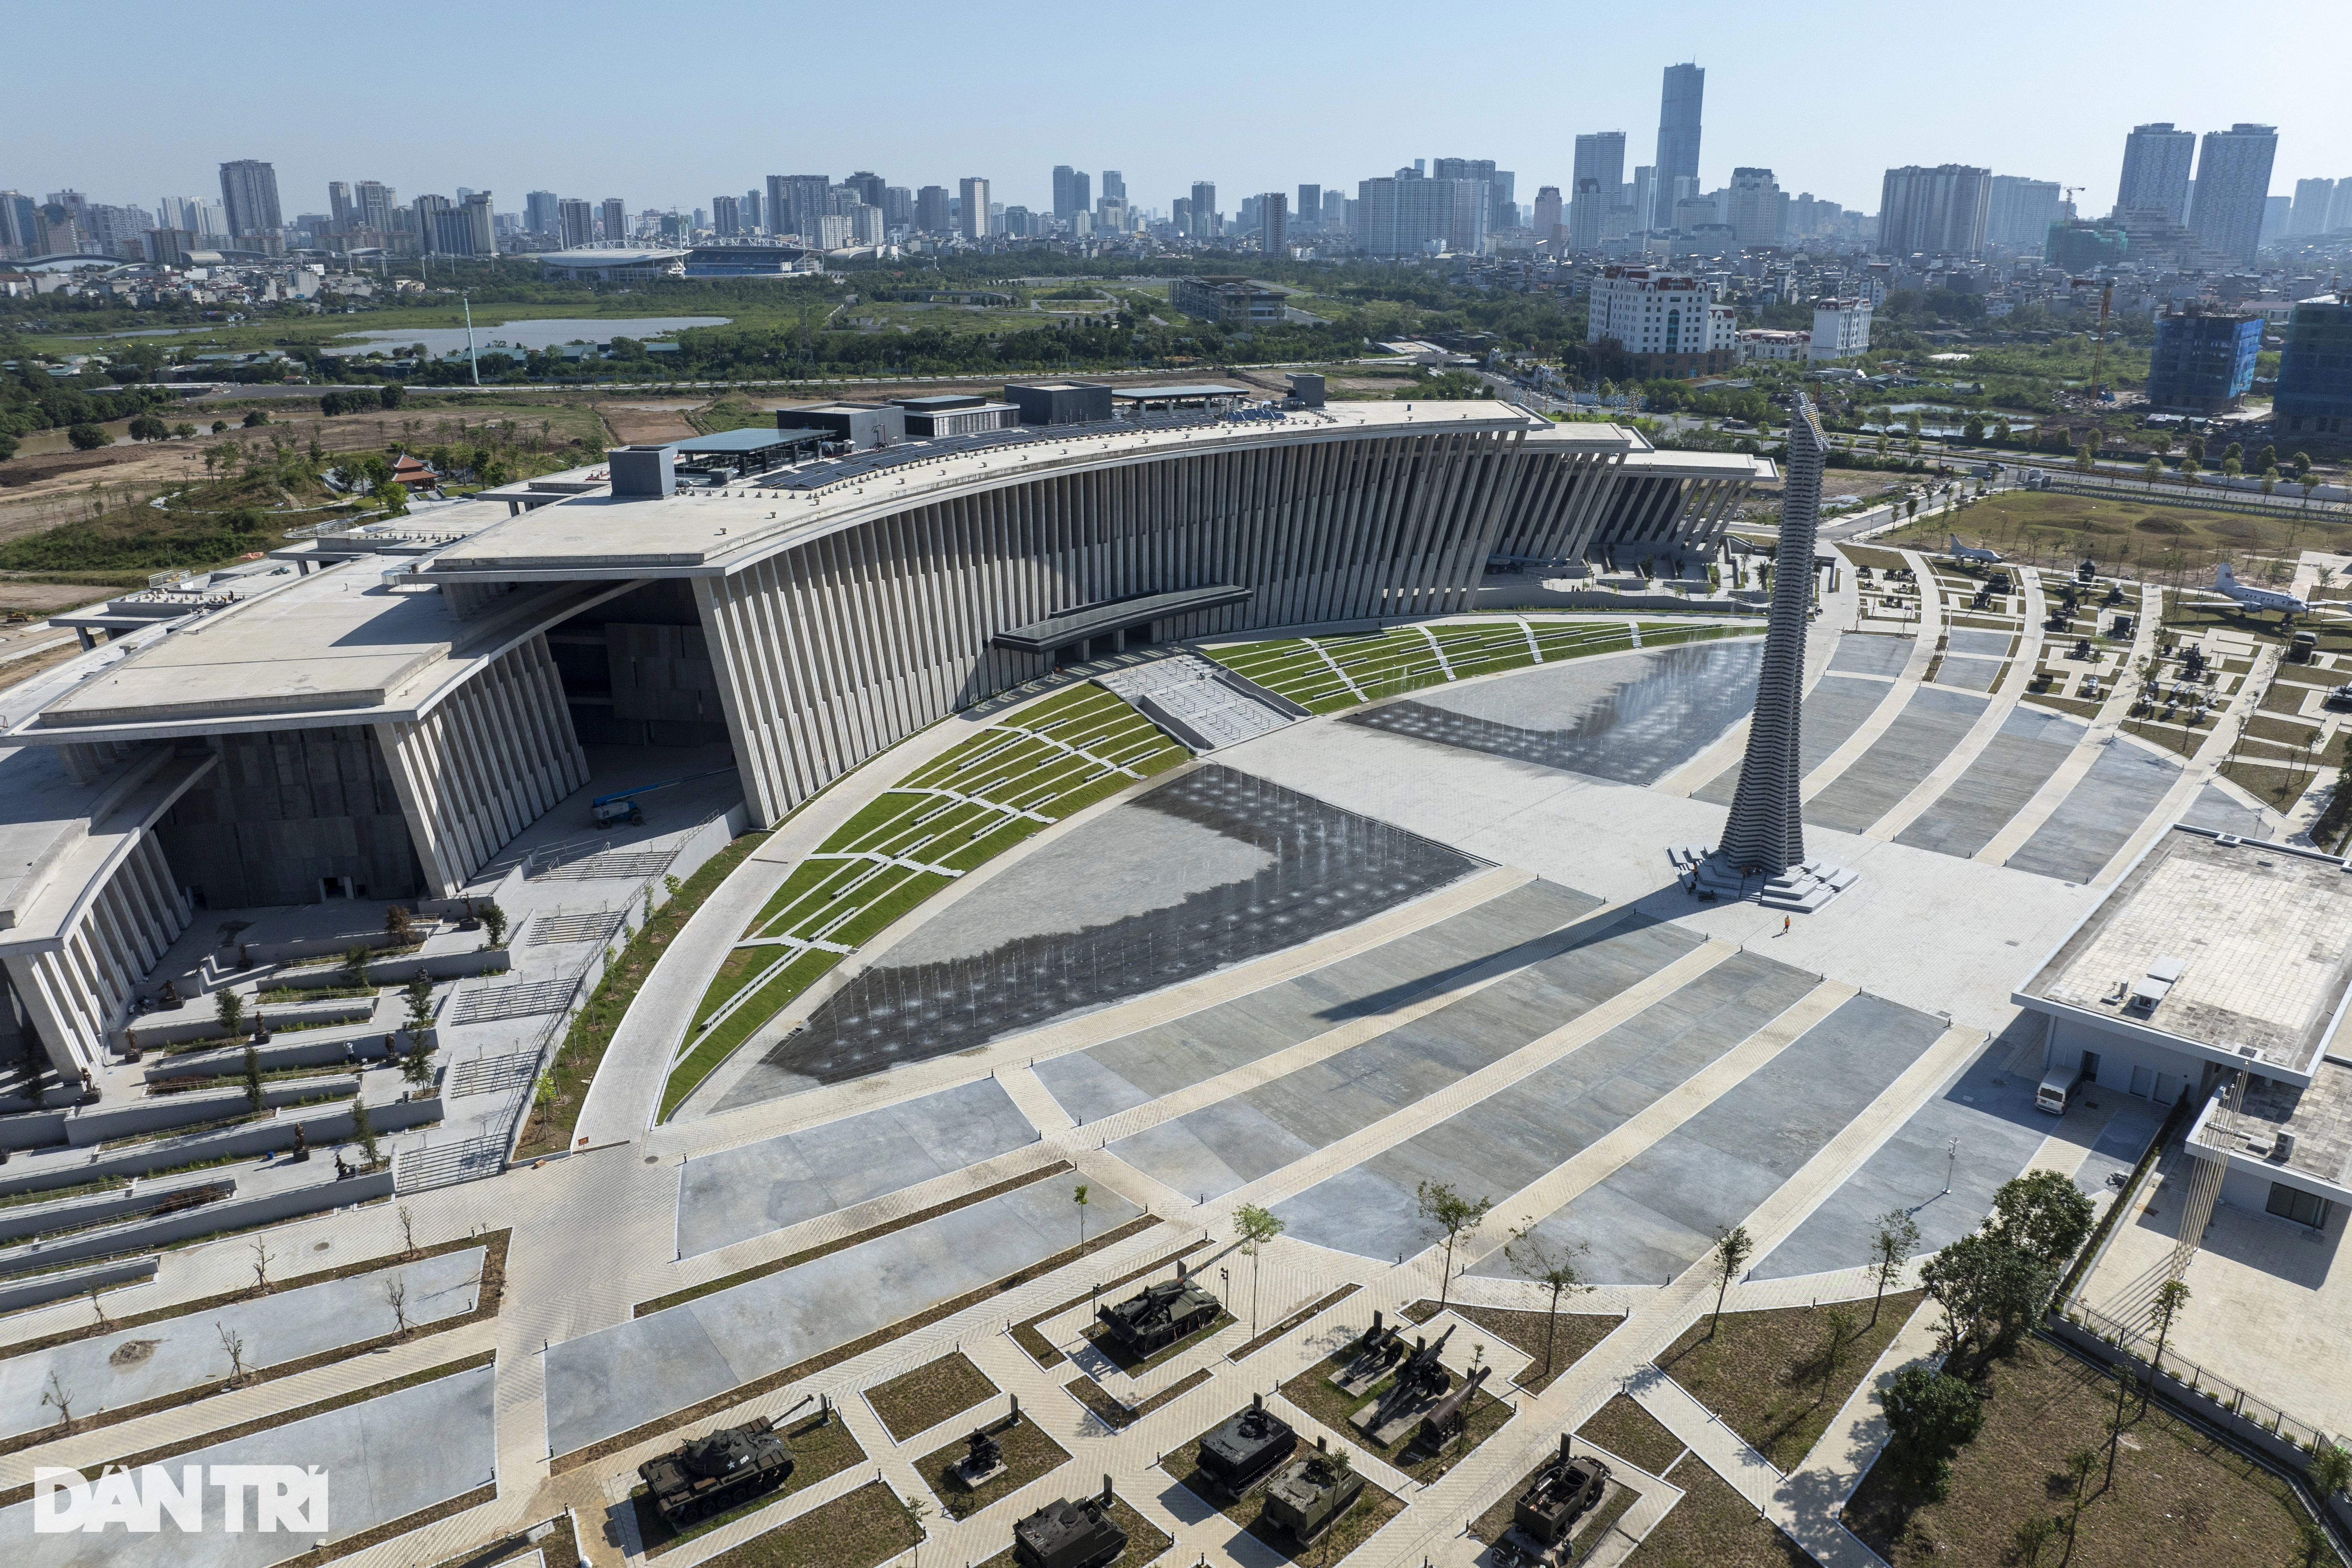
(2225, 582)
(1960, 551)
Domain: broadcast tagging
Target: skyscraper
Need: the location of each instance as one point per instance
(1766, 829)
(1205, 209)
(1645, 198)
(1678, 123)
(1114, 186)
(1069, 187)
(1756, 206)
(1310, 205)
(2314, 200)
(575, 221)
(795, 202)
(539, 214)
(2233, 180)
(1599, 172)
(1546, 210)
(975, 193)
(374, 201)
(2156, 170)
(930, 209)
(339, 207)
(2021, 210)
(869, 185)
(1273, 223)
(1939, 211)
(249, 196)
(726, 217)
(616, 220)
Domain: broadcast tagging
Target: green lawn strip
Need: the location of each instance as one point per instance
(2179, 1495)
(820, 1448)
(1028, 1453)
(917, 1401)
(1632, 1433)
(1114, 1415)
(793, 1260)
(1242, 1352)
(1145, 1540)
(563, 1090)
(1714, 1527)
(1767, 1376)
(720, 1043)
(856, 1529)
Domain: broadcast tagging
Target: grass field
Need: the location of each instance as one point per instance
(2132, 534)
(2177, 1495)
(992, 792)
(1327, 674)
(1770, 1376)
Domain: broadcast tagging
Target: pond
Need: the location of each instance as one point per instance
(546, 333)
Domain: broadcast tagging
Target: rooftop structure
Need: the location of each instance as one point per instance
(2210, 949)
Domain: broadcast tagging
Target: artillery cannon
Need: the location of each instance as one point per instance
(713, 1473)
(1422, 1373)
(1452, 1414)
(1245, 1446)
(1066, 1534)
(1159, 1315)
(1560, 1495)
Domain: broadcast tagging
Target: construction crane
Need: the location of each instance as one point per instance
(2099, 392)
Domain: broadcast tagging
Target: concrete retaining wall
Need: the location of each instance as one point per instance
(325, 1125)
(97, 1123)
(32, 1219)
(401, 970)
(16, 1295)
(236, 1214)
(189, 1024)
(33, 1129)
(1534, 596)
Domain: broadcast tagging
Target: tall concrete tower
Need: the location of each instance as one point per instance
(1766, 829)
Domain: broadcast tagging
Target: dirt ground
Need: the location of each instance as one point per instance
(639, 422)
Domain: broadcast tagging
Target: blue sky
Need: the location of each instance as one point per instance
(670, 105)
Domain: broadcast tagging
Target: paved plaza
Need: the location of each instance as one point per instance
(1433, 940)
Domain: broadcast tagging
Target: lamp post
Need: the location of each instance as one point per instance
(1951, 1163)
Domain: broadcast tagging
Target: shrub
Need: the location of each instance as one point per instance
(89, 437)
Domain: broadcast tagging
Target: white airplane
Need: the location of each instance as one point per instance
(2225, 582)
(1960, 551)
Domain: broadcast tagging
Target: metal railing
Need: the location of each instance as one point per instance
(2193, 1378)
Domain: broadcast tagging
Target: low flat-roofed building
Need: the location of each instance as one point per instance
(1205, 396)
(2208, 948)
(864, 426)
(750, 450)
(1059, 402)
(1228, 302)
(929, 418)
(2216, 957)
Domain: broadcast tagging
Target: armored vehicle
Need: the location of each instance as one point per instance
(1160, 1315)
(1247, 1445)
(1311, 1493)
(1560, 1495)
(713, 1473)
(1079, 1534)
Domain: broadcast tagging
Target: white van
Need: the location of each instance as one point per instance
(2058, 1088)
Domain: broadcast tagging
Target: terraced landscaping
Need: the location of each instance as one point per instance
(1009, 780)
(1328, 674)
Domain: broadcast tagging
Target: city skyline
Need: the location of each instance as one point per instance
(448, 136)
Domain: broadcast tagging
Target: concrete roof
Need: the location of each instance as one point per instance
(343, 646)
(2319, 1116)
(2262, 937)
(715, 532)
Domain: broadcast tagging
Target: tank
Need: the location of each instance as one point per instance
(1311, 1493)
(1560, 1496)
(1246, 1445)
(1069, 1535)
(1159, 1315)
(713, 1473)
